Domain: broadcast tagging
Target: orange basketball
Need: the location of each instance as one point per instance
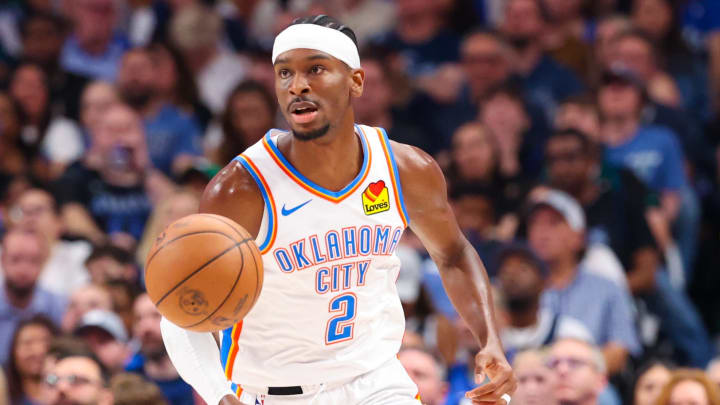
(204, 272)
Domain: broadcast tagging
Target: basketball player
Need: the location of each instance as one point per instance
(328, 202)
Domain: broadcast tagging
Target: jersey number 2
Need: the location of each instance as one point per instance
(340, 327)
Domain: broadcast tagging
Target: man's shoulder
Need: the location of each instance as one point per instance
(587, 281)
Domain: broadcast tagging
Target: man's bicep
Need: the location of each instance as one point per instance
(431, 216)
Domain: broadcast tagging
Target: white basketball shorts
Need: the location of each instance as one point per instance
(387, 385)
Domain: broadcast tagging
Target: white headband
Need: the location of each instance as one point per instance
(319, 38)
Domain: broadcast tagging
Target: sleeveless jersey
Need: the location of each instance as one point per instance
(329, 309)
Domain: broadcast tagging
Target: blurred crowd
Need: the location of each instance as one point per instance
(579, 139)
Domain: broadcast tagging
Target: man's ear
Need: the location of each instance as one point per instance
(358, 80)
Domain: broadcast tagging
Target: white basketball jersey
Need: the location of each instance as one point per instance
(329, 309)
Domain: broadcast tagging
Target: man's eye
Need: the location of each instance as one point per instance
(284, 73)
(317, 69)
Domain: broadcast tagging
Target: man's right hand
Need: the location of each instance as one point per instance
(231, 400)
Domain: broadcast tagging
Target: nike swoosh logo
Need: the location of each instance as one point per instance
(285, 212)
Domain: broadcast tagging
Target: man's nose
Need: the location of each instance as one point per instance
(299, 85)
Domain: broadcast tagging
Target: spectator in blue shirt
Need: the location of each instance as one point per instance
(545, 81)
(172, 135)
(555, 229)
(94, 48)
(22, 259)
(152, 360)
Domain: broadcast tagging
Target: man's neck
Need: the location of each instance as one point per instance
(331, 161)
(524, 319)
(619, 130)
(150, 109)
(17, 301)
(562, 272)
(95, 46)
(529, 58)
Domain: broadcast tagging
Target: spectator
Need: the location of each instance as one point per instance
(521, 276)
(43, 35)
(12, 158)
(176, 84)
(713, 371)
(420, 40)
(555, 229)
(44, 137)
(108, 263)
(82, 301)
(652, 153)
(152, 360)
(249, 114)
(78, 379)
(581, 114)
(195, 31)
(604, 49)
(650, 381)
(565, 35)
(22, 258)
(133, 389)
(545, 81)
(26, 359)
(114, 198)
(105, 334)
(93, 48)
(97, 98)
(475, 160)
(427, 372)
(4, 394)
(636, 52)
(171, 135)
(535, 379)
(171, 209)
(657, 18)
(578, 372)
(505, 115)
(36, 210)
(688, 386)
(615, 202)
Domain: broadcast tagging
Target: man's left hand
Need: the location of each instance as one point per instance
(491, 363)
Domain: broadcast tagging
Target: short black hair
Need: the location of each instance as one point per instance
(585, 143)
(120, 255)
(328, 22)
(58, 23)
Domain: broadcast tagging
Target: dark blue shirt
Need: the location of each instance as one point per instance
(423, 58)
(171, 133)
(654, 155)
(176, 391)
(549, 84)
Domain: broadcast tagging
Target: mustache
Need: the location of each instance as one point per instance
(300, 99)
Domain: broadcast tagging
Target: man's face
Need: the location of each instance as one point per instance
(636, 55)
(136, 78)
(28, 87)
(523, 20)
(520, 282)
(120, 128)
(96, 100)
(485, 62)
(535, 381)
(35, 211)
(84, 300)
(23, 257)
(42, 42)
(605, 44)
(424, 372)
(567, 164)
(577, 378)
(473, 152)
(314, 91)
(550, 236)
(77, 381)
(376, 96)
(147, 325)
(32, 346)
(111, 352)
(619, 100)
(94, 20)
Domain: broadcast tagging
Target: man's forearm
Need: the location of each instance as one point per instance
(466, 282)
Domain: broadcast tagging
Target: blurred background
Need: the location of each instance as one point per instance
(579, 139)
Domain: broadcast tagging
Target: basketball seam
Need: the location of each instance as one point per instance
(147, 264)
(257, 275)
(242, 265)
(200, 268)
